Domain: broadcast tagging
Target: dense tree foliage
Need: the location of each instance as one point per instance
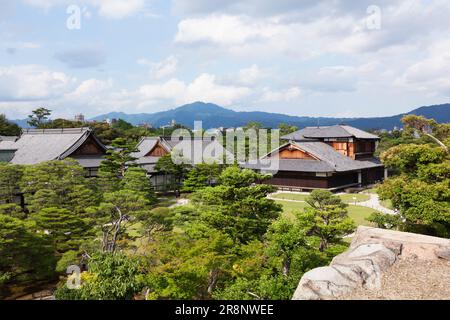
(174, 172)
(201, 176)
(10, 175)
(56, 184)
(420, 188)
(8, 128)
(229, 242)
(328, 218)
(26, 256)
(237, 207)
(110, 277)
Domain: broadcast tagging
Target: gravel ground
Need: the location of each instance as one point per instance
(410, 279)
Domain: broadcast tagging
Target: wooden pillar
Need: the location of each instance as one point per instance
(359, 178)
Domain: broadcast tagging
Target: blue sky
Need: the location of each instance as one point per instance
(307, 58)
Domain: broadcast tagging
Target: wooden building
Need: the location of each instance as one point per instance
(192, 151)
(39, 145)
(333, 158)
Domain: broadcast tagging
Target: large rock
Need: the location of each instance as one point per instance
(361, 265)
(371, 253)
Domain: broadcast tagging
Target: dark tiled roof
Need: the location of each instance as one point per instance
(196, 148)
(35, 145)
(338, 131)
(329, 160)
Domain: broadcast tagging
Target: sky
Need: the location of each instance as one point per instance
(307, 58)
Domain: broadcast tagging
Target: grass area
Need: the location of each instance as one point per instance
(357, 213)
(387, 204)
(291, 196)
(371, 190)
(354, 197)
(290, 207)
(347, 198)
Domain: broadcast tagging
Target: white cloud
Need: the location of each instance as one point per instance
(251, 75)
(89, 88)
(162, 69)
(334, 79)
(113, 9)
(203, 88)
(172, 90)
(253, 7)
(431, 74)
(45, 4)
(286, 95)
(335, 29)
(117, 9)
(31, 82)
(226, 30)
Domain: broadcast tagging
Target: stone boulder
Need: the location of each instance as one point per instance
(372, 252)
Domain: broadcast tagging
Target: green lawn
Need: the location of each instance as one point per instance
(387, 204)
(291, 196)
(371, 190)
(347, 198)
(354, 197)
(290, 207)
(357, 213)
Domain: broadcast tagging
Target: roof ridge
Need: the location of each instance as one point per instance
(56, 131)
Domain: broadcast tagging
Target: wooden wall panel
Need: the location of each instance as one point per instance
(294, 154)
(89, 148)
(157, 151)
(294, 180)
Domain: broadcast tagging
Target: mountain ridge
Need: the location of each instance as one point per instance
(214, 116)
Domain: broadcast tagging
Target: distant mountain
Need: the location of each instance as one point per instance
(214, 116)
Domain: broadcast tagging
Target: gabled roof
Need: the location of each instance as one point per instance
(337, 131)
(145, 146)
(334, 158)
(39, 145)
(328, 159)
(194, 145)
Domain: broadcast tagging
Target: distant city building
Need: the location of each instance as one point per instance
(111, 121)
(145, 125)
(173, 123)
(79, 117)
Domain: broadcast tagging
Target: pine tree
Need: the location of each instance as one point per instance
(65, 228)
(8, 128)
(136, 180)
(328, 218)
(201, 176)
(10, 176)
(26, 256)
